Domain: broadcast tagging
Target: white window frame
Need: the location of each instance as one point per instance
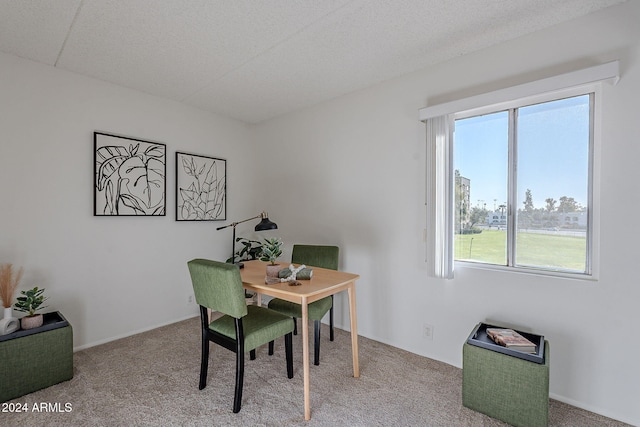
(593, 228)
(579, 82)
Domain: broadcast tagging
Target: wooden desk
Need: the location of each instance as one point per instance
(324, 283)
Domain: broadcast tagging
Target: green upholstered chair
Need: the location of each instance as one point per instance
(312, 256)
(242, 328)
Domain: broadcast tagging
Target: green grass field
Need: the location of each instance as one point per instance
(533, 249)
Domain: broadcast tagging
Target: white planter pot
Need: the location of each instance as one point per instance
(8, 323)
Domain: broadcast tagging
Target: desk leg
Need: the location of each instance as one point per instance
(305, 357)
(354, 329)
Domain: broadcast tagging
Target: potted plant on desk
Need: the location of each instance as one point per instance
(271, 250)
(30, 302)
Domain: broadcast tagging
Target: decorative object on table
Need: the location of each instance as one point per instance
(251, 250)
(271, 250)
(129, 176)
(263, 225)
(291, 274)
(8, 285)
(30, 302)
(201, 188)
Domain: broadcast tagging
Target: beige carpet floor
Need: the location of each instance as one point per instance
(151, 379)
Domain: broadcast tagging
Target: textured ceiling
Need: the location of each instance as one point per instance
(256, 59)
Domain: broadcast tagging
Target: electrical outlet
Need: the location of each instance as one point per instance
(190, 299)
(427, 331)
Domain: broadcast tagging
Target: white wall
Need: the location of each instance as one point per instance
(351, 172)
(109, 276)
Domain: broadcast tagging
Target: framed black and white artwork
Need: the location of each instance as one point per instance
(129, 176)
(201, 188)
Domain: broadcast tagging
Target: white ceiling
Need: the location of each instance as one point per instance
(256, 59)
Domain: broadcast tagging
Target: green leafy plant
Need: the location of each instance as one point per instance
(271, 250)
(31, 301)
(251, 249)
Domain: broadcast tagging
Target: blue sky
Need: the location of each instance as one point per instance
(553, 150)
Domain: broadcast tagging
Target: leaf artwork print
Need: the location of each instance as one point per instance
(129, 176)
(201, 188)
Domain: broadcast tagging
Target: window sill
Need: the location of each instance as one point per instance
(524, 270)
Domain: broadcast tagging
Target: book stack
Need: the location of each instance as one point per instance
(511, 339)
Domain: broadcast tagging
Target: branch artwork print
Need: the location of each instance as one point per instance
(129, 176)
(200, 188)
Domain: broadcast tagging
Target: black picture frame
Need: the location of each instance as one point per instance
(201, 188)
(129, 176)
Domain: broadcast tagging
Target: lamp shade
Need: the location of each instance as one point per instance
(265, 224)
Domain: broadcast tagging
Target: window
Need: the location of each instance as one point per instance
(510, 177)
(529, 165)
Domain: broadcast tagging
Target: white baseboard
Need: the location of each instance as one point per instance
(128, 334)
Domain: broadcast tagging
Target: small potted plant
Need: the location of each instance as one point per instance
(30, 302)
(271, 250)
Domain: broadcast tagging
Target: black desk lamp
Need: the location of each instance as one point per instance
(263, 225)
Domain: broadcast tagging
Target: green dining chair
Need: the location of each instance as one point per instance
(242, 328)
(312, 256)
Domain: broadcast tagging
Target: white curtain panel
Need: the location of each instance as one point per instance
(439, 196)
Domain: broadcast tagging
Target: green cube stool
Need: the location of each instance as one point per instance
(33, 362)
(505, 387)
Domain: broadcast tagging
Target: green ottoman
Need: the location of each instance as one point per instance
(504, 387)
(32, 362)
